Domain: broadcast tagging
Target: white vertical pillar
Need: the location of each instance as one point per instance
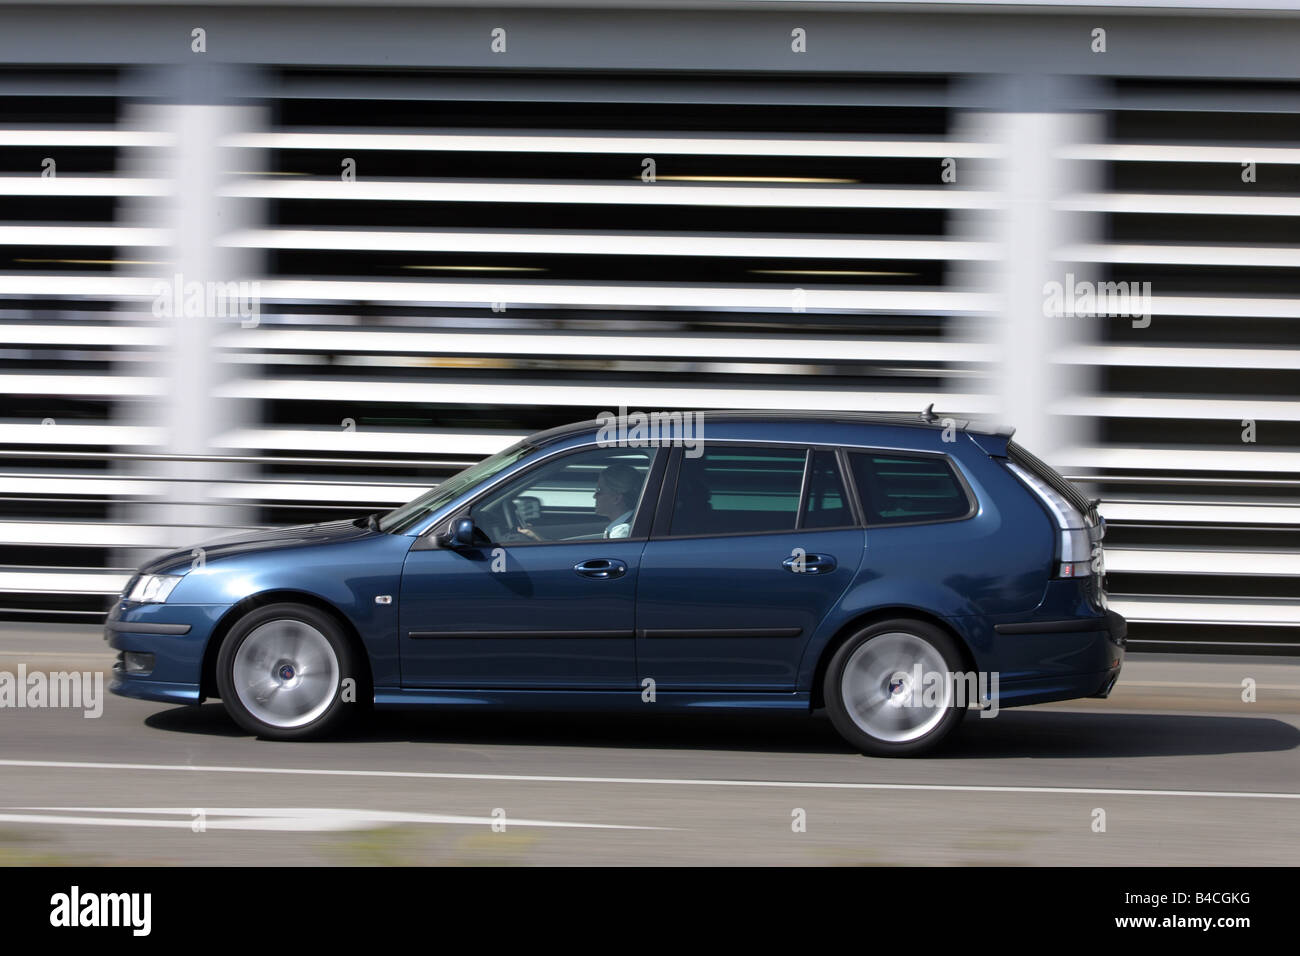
(1028, 387)
(189, 414)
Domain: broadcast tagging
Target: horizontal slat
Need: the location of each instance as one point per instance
(1218, 408)
(1200, 513)
(62, 582)
(652, 194)
(340, 441)
(262, 490)
(1168, 254)
(83, 186)
(609, 395)
(1177, 561)
(1247, 458)
(743, 346)
(608, 243)
(1172, 610)
(1189, 204)
(46, 384)
(68, 434)
(1182, 153)
(101, 535)
(1155, 356)
(132, 335)
(631, 296)
(779, 298)
(640, 144)
(52, 235)
(102, 136)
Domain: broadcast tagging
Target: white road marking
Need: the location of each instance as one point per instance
(643, 781)
(286, 819)
(1214, 684)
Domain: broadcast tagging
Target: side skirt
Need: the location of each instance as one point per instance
(592, 700)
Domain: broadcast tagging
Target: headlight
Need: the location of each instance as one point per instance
(153, 588)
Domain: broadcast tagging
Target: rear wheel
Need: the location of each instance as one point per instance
(281, 672)
(890, 689)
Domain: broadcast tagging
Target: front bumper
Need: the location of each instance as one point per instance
(177, 637)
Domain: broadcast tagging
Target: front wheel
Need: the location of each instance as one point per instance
(890, 689)
(281, 672)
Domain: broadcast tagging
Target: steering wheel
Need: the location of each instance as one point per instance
(506, 529)
(509, 514)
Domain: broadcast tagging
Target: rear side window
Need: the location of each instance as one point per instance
(737, 490)
(898, 488)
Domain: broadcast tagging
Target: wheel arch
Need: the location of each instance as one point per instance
(208, 676)
(866, 619)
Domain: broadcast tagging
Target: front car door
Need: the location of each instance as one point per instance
(752, 547)
(547, 597)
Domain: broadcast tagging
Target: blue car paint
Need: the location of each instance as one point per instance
(971, 574)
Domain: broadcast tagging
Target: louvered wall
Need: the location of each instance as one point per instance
(379, 364)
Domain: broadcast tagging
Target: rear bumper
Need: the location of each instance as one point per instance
(1053, 660)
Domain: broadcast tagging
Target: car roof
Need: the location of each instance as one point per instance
(925, 419)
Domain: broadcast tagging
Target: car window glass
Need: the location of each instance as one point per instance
(399, 519)
(587, 496)
(825, 506)
(733, 490)
(899, 488)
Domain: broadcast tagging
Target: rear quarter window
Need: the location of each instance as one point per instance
(897, 488)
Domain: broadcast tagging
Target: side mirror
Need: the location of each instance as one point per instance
(459, 535)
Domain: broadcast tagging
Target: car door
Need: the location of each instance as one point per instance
(546, 597)
(752, 547)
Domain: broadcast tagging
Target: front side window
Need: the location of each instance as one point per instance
(898, 488)
(585, 496)
(399, 519)
(738, 490)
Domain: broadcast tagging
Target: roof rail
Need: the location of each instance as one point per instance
(928, 418)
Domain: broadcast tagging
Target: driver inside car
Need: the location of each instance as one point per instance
(616, 494)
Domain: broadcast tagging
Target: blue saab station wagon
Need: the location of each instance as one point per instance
(894, 570)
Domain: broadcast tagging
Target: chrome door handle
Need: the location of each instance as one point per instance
(601, 568)
(809, 563)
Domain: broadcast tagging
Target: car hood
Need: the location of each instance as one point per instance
(259, 540)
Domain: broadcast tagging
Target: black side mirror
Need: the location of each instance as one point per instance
(459, 535)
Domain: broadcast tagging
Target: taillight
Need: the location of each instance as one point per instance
(1074, 546)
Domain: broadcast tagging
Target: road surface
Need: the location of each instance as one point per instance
(1178, 768)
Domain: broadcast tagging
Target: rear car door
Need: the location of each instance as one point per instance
(752, 546)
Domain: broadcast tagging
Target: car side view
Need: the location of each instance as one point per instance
(895, 570)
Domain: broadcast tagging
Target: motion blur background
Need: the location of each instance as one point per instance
(799, 247)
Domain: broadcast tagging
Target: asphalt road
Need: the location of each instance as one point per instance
(1184, 770)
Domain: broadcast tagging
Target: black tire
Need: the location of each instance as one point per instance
(900, 645)
(312, 681)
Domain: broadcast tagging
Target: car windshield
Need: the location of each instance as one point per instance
(402, 518)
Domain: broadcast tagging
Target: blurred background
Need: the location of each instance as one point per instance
(466, 224)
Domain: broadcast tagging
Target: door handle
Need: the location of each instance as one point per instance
(601, 568)
(809, 564)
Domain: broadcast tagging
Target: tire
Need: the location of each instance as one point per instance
(870, 690)
(280, 672)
